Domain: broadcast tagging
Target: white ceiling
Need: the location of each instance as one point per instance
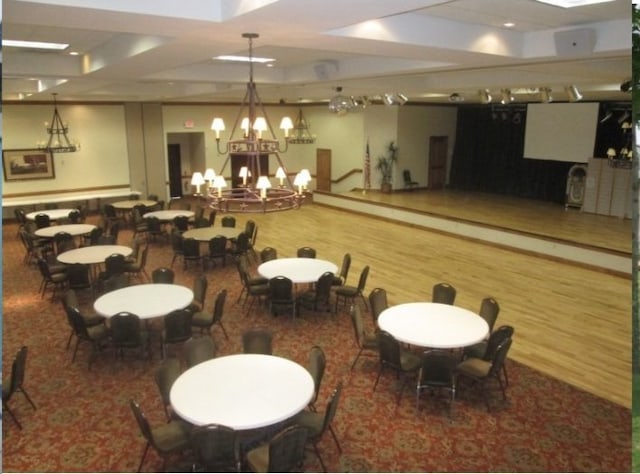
(161, 50)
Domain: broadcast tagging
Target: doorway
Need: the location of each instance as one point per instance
(438, 147)
(175, 170)
(323, 169)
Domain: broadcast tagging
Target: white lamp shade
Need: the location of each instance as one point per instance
(280, 174)
(611, 152)
(219, 181)
(209, 174)
(244, 125)
(306, 175)
(217, 124)
(244, 172)
(260, 124)
(299, 180)
(286, 124)
(197, 179)
(263, 183)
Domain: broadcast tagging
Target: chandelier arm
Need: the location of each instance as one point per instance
(259, 103)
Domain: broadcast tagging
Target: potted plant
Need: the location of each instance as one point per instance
(385, 167)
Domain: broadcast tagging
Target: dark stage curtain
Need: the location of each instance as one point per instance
(488, 156)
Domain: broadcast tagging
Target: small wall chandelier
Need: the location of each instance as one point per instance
(58, 141)
(301, 133)
(256, 193)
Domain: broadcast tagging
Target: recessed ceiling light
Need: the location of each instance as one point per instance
(34, 44)
(572, 3)
(509, 24)
(244, 59)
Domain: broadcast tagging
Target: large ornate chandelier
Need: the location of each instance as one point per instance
(254, 147)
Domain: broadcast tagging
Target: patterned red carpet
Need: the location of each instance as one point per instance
(83, 422)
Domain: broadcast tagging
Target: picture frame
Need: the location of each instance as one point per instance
(27, 163)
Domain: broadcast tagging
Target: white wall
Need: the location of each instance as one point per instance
(101, 161)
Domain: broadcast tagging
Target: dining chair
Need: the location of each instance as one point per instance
(181, 223)
(306, 252)
(489, 310)
(348, 293)
(166, 439)
(200, 284)
(437, 373)
(317, 424)
(176, 246)
(316, 366)
(218, 250)
(42, 220)
(257, 341)
(127, 333)
(281, 296)
(199, 349)
(216, 448)
(56, 281)
(378, 303)
(267, 254)
(91, 330)
(176, 329)
(444, 293)
(138, 268)
(367, 343)
(318, 296)
(15, 383)
(396, 358)
(341, 277)
(164, 377)
(408, 182)
(191, 253)
(284, 452)
(163, 275)
(228, 221)
(486, 349)
(205, 320)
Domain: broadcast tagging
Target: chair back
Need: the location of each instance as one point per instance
(323, 288)
(164, 377)
(344, 268)
(176, 241)
(191, 247)
(287, 449)
(181, 223)
(63, 241)
(218, 307)
(332, 407)
(437, 369)
(177, 326)
(154, 226)
(268, 253)
(199, 213)
(257, 341)
(499, 357)
(201, 223)
(362, 282)
(125, 330)
(250, 227)
(163, 275)
(215, 448)
(317, 364)
(241, 244)
(21, 215)
(200, 284)
(496, 338)
(489, 309)
(115, 264)
(378, 301)
(281, 293)
(306, 252)
(218, 246)
(75, 217)
(228, 221)
(443, 293)
(109, 211)
(42, 220)
(358, 324)
(198, 350)
(94, 235)
(115, 282)
(143, 423)
(389, 349)
(18, 369)
(114, 230)
(406, 175)
(78, 276)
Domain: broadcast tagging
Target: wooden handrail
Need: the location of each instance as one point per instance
(346, 175)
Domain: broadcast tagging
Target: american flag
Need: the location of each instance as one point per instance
(367, 170)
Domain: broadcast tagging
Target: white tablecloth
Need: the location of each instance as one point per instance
(243, 391)
(299, 270)
(93, 254)
(433, 325)
(147, 301)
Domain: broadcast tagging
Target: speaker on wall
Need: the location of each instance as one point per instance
(575, 42)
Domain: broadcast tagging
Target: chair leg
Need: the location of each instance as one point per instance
(356, 360)
(5, 407)
(335, 438)
(144, 455)
(317, 451)
(377, 379)
(69, 340)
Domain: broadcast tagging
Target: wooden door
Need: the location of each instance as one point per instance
(323, 169)
(175, 170)
(438, 147)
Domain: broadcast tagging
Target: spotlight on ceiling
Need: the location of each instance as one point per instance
(455, 97)
(573, 93)
(505, 96)
(545, 95)
(626, 86)
(485, 96)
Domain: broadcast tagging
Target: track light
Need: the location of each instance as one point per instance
(340, 104)
(506, 97)
(545, 95)
(485, 96)
(573, 93)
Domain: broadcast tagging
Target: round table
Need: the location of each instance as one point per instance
(151, 300)
(433, 325)
(243, 391)
(169, 215)
(298, 270)
(93, 254)
(129, 204)
(54, 214)
(73, 229)
(204, 234)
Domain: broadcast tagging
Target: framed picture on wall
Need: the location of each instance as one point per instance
(27, 163)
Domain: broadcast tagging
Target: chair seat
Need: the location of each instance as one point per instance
(474, 367)
(202, 319)
(171, 436)
(369, 341)
(409, 361)
(347, 290)
(258, 458)
(476, 350)
(312, 421)
(97, 332)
